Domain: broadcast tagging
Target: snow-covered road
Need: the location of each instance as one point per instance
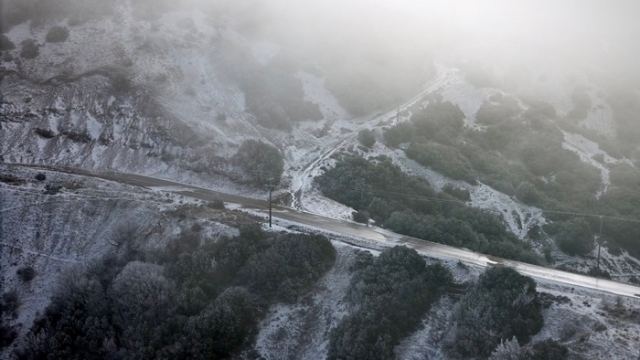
(367, 237)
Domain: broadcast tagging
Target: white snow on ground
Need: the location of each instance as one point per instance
(316, 92)
(591, 326)
(621, 267)
(450, 83)
(425, 342)
(468, 97)
(308, 163)
(300, 330)
(588, 150)
(518, 217)
(600, 116)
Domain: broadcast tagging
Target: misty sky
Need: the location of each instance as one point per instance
(598, 36)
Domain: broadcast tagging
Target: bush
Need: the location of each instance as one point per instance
(26, 273)
(41, 177)
(361, 217)
(399, 134)
(202, 299)
(418, 211)
(57, 34)
(575, 237)
(216, 204)
(261, 162)
(441, 122)
(30, 49)
(7, 335)
(288, 267)
(504, 111)
(503, 304)
(366, 138)
(9, 304)
(392, 294)
(528, 194)
(224, 325)
(45, 133)
(5, 43)
(442, 158)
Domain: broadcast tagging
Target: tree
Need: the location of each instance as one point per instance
(575, 237)
(502, 305)
(439, 121)
(26, 273)
(366, 138)
(392, 292)
(261, 162)
(57, 34)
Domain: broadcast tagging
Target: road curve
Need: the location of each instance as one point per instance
(365, 236)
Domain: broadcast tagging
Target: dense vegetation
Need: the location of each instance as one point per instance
(9, 304)
(392, 293)
(502, 304)
(408, 205)
(521, 153)
(261, 163)
(197, 299)
(518, 155)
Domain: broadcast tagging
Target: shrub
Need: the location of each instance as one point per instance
(261, 162)
(30, 49)
(41, 177)
(5, 43)
(491, 114)
(57, 34)
(503, 304)
(418, 211)
(216, 204)
(45, 133)
(7, 335)
(287, 268)
(528, 194)
(443, 158)
(366, 138)
(26, 273)
(393, 293)
(361, 217)
(9, 304)
(224, 325)
(440, 121)
(202, 300)
(399, 134)
(575, 237)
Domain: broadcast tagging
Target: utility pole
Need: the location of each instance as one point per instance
(599, 245)
(270, 206)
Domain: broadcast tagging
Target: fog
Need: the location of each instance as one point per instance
(522, 39)
(525, 44)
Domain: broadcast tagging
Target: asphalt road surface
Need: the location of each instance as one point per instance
(365, 236)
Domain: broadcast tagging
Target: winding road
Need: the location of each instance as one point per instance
(369, 237)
